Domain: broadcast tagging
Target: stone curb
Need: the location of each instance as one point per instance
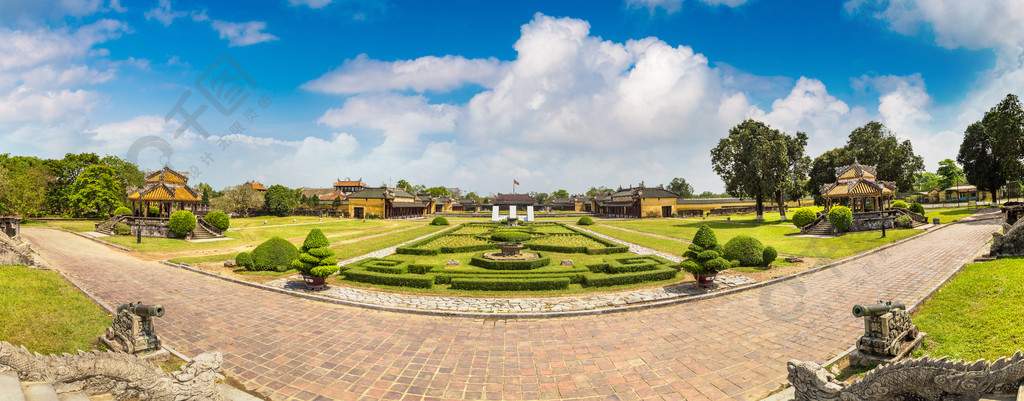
(115, 246)
(544, 315)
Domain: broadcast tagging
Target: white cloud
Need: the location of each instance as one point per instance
(955, 23)
(243, 33)
(314, 4)
(163, 13)
(364, 74)
(673, 6)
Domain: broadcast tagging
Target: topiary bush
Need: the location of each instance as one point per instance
(899, 204)
(917, 208)
(244, 260)
(122, 229)
(744, 248)
(840, 217)
(273, 254)
(704, 256)
(585, 221)
(316, 259)
(182, 222)
(903, 222)
(218, 219)
(510, 236)
(122, 210)
(769, 256)
(803, 216)
(439, 221)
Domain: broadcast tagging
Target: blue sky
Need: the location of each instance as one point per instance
(469, 94)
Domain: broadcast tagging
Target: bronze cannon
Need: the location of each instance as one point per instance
(143, 310)
(879, 309)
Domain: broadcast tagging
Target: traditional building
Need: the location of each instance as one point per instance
(561, 204)
(520, 201)
(697, 207)
(348, 186)
(168, 190)
(639, 202)
(857, 186)
(582, 204)
(960, 193)
(466, 205)
(444, 203)
(255, 185)
(385, 203)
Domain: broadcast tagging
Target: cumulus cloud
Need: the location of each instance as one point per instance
(394, 115)
(163, 13)
(314, 4)
(243, 33)
(364, 74)
(673, 6)
(972, 25)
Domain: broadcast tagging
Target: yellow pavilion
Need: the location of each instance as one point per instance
(167, 189)
(858, 184)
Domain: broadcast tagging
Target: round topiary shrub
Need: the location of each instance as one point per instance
(122, 210)
(585, 221)
(244, 260)
(803, 216)
(769, 256)
(274, 254)
(746, 249)
(903, 222)
(218, 219)
(917, 208)
(182, 222)
(316, 259)
(439, 221)
(122, 229)
(510, 236)
(840, 217)
(899, 204)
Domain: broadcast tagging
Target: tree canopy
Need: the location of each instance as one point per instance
(982, 161)
(823, 171)
(561, 193)
(1004, 125)
(951, 173)
(240, 199)
(97, 189)
(278, 200)
(875, 145)
(752, 161)
(680, 187)
(437, 191)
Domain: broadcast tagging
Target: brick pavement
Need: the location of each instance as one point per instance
(731, 347)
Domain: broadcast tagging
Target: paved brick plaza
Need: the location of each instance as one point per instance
(731, 347)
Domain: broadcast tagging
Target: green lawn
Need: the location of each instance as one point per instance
(345, 251)
(977, 314)
(243, 222)
(779, 236)
(74, 226)
(950, 215)
(769, 218)
(45, 313)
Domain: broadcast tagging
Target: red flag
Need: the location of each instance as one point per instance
(516, 182)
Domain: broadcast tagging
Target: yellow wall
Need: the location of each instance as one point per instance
(648, 205)
(370, 206)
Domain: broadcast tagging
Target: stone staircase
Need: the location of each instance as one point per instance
(820, 227)
(204, 230)
(107, 227)
(13, 389)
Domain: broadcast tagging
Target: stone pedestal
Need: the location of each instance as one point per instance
(860, 358)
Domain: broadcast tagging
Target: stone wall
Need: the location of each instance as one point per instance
(151, 227)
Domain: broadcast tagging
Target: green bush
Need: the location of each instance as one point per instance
(917, 208)
(122, 210)
(704, 254)
(744, 248)
(182, 222)
(218, 219)
(507, 284)
(422, 269)
(899, 204)
(244, 260)
(803, 216)
(597, 280)
(316, 259)
(273, 254)
(122, 229)
(511, 236)
(404, 280)
(903, 222)
(489, 264)
(769, 256)
(840, 217)
(439, 221)
(585, 221)
(154, 210)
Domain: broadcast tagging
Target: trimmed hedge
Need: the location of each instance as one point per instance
(479, 261)
(122, 210)
(122, 229)
(182, 222)
(218, 219)
(903, 221)
(840, 217)
(585, 221)
(244, 260)
(533, 284)
(273, 254)
(803, 216)
(511, 236)
(744, 248)
(899, 204)
(422, 269)
(404, 280)
(769, 256)
(917, 208)
(439, 221)
(661, 273)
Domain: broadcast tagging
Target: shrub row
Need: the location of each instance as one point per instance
(479, 261)
(405, 280)
(661, 273)
(422, 268)
(482, 284)
(511, 236)
(400, 269)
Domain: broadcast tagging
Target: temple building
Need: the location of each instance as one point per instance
(639, 202)
(257, 186)
(385, 203)
(857, 187)
(169, 191)
(348, 186)
(520, 201)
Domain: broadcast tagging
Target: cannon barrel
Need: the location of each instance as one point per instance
(145, 310)
(878, 309)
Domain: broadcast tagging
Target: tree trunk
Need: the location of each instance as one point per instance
(995, 197)
(782, 207)
(759, 207)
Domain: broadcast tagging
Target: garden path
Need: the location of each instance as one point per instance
(730, 347)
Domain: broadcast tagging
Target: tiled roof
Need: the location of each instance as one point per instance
(380, 193)
(166, 175)
(513, 199)
(646, 192)
(349, 183)
(855, 170)
(257, 186)
(331, 196)
(165, 193)
(316, 191)
(858, 187)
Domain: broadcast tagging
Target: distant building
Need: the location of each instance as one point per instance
(169, 191)
(348, 186)
(520, 201)
(639, 202)
(255, 185)
(385, 203)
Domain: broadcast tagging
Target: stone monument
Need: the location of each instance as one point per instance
(529, 214)
(889, 335)
(512, 212)
(494, 214)
(132, 331)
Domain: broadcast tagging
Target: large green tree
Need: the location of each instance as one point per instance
(404, 185)
(65, 173)
(97, 190)
(681, 187)
(128, 174)
(240, 199)
(598, 190)
(752, 161)
(561, 193)
(927, 181)
(823, 171)
(279, 200)
(1004, 125)
(981, 165)
(23, 183)
(437, 191)
(951, 173)
(875, 145)
(792, 185)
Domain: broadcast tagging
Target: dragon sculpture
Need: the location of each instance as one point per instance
(122, 375)
(912, 379)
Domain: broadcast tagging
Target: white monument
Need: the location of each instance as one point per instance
(512, 212)
(494, 213)
(529, 214)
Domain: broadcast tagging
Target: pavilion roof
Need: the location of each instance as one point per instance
(257, 186)
(855, 170)
(858, 187)
(165, 193)
(380, 193)
(349, 183)
(167, 176)
(513, 199)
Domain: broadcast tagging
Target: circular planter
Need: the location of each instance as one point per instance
(314, 283)
(510, 248)
(706, 280)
